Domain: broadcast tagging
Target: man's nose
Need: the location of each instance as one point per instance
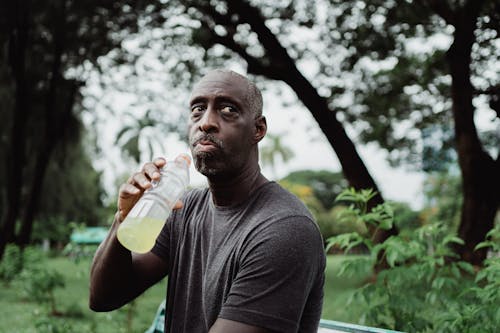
(210, 121)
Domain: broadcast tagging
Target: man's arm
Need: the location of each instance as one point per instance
(117, 276)
(229, 326)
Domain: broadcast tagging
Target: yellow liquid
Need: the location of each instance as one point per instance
(138, 234)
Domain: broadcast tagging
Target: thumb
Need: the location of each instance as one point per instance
(178, 205)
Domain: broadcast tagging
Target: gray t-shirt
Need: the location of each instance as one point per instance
(260, 262)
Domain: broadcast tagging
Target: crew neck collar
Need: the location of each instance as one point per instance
(237, 205)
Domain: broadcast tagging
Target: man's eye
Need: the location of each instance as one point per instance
(195, 110)
(227, 109)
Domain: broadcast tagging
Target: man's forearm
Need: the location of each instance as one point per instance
(111, 275)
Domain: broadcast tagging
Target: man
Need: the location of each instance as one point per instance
(243, 255)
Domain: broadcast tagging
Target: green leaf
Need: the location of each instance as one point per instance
(453, 239)
(124, 130)
(465, 266)
(132, 148)
(484, 245)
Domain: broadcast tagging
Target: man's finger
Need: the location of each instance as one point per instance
(127, 190)
(178, 205)
(141, 181)
(152, 169)
(159, 162)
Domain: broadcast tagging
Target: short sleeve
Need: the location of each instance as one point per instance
(279, 284)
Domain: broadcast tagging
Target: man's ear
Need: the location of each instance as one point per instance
(260, 128)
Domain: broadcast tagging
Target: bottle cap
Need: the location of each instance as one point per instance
(184, 157)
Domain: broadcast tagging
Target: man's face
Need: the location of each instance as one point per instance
(221, 125)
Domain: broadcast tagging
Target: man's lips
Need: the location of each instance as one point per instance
(205, 144)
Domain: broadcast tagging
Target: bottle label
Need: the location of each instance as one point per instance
(141, 208)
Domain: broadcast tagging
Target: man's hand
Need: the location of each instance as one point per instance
(132, 190)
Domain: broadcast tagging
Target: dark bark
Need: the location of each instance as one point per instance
(480, 173)
(18, 25)
(56, 116)
(70, 88)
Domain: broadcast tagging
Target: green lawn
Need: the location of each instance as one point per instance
(338, 290)
(20, 315)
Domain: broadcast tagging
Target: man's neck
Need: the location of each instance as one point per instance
(229, 192)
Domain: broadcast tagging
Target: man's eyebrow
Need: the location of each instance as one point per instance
(197, 99)
(226, 98)
(218, 99)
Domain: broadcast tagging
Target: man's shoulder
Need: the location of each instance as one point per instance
(279, 199)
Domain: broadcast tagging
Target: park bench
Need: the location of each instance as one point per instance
(325, 326)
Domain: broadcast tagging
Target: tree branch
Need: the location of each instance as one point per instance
(255, 65)
(443, 9)
(219, 18)
(281, 60)
(473, 8)
(230, 22)
(493, 90)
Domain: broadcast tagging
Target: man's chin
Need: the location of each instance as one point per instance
(205, 154)
(206, 163)
(214, 171)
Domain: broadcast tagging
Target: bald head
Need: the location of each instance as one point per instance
(253, 96)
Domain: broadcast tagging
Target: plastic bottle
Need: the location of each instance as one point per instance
(141, 227)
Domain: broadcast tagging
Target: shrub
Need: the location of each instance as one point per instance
(52, 325)
(79, 252)
(36, 280)
(11, 264)
(39, 284)
(424, 275)
(15, 260)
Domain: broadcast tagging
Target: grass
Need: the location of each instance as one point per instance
(338, 290)
(21, 315)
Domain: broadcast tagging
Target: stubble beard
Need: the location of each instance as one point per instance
(216, 165)
(206, 163)
(220, 164)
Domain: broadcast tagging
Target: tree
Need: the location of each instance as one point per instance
(240, 27)
(368, 43)
(427, 90)
(75, 197)
(46, 48)
(349, 63)
(267, 56)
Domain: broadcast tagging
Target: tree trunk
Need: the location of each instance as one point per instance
(70, 89)
(480, 173)
(56, 117)
(18, 39)
(353, 167)
(479, 207)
